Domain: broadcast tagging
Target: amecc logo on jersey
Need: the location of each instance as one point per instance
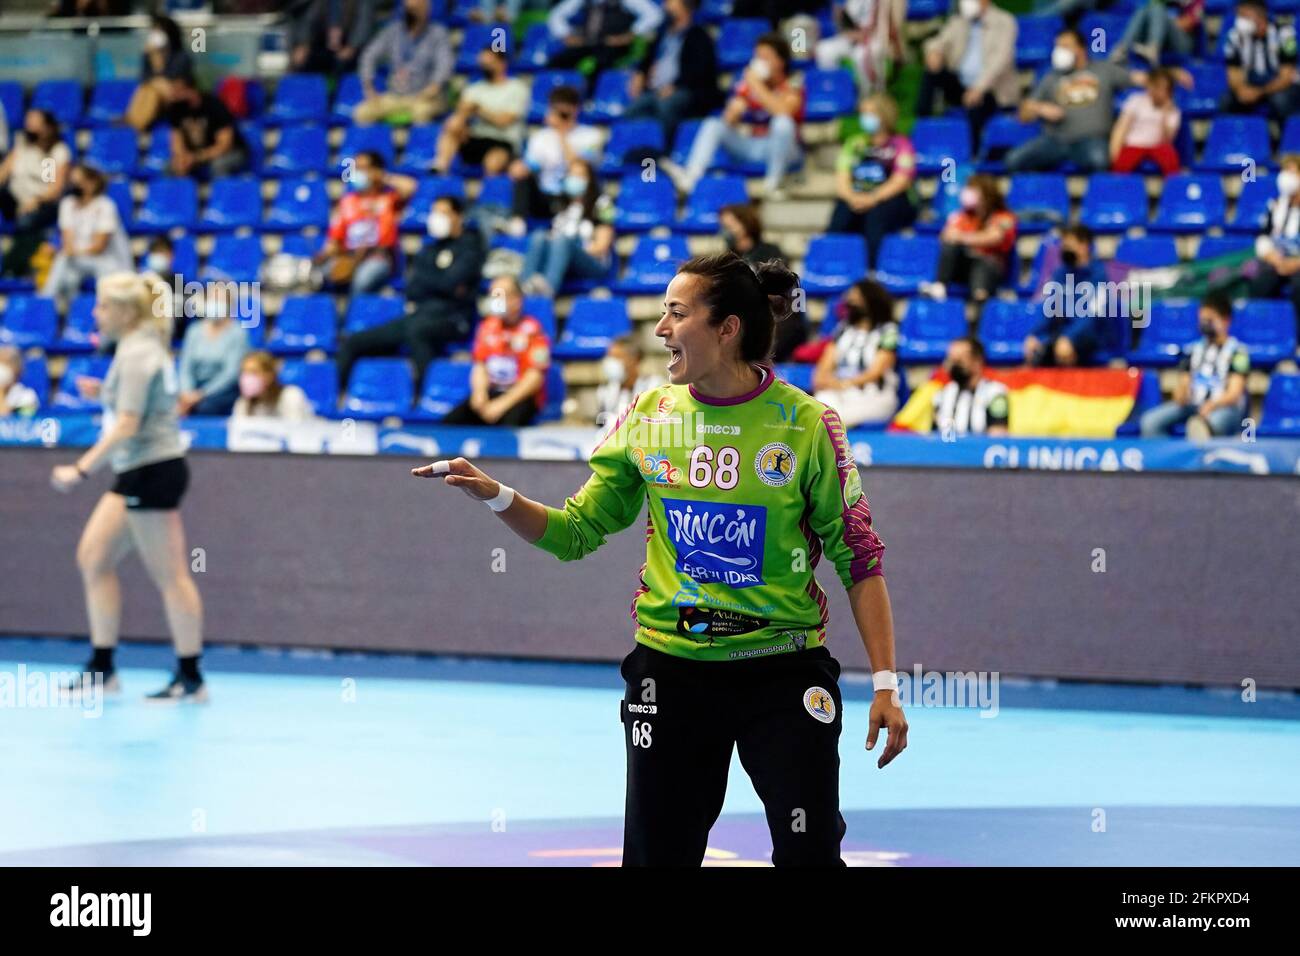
(717, 542)
(775, 464)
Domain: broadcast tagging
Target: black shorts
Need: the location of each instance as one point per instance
(681, 720)
(159, 486)
(476, 147)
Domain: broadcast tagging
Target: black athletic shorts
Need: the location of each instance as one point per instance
(159, 486)
(681, 720)
(476, 147)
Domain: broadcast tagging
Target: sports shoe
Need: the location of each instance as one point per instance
(85, 683)
(682, 180)
(181, 690)
(933, 290)
(1198, 429)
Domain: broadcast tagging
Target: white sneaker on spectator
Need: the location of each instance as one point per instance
(774, 193)
(933, 290)
(1198, 429)
(537, 285)
(681, 179)
(516, 227)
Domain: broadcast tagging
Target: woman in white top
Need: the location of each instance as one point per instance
(32, 178)
(580, 240)
(857, 374)
(15, 397)
(263, 395)
(94, 242)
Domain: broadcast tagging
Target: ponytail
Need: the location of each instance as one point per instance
(760, 297)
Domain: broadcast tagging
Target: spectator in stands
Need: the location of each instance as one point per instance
(972, 62)
(94, 242)
(976, 242)
(969, 403)
(1076, 325)
(15, 397)
(419, 58)
(1278, 250)
(580, 241)
(623, 381)
(539, 175)
(440, 284)
(29, 194)
(678, 78)
(600, 30)
(360, 250)
(1211, 392)
(205, 139)
(263, 395)
(1159, 26)
(164, 59)
(1147, 127)
(857, 375)
(211, 354)
(742, 230)
(1261, 58)
(488, 125)
(777, 105)
(870, 36)
(329, 35)
(160, 259)
(502, 11)
(511, 356)
(874, 176)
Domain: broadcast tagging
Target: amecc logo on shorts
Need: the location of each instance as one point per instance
(775, 464)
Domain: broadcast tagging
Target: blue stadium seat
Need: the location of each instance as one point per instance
(1210, 85)
(653, 264)
(906, 262)
(1004, 133)
(1148, 397)
(941, 142)
(1251, 214)
(301, 150)
(367, 311)
(318, 380)
(357, 139)
(833, 263)
(1147, 252)
(346, 97)
(546, 81)
(927, 328)
(798, 374)
(1190, 204)
(736, 40)
(185, 258)
(79, 330)
(170, 203)
(1035, 39)
(580, 285)
(29, 322)
(158, 154)
(829, 94)
(946, 200)
(625, 135)
(108, 101)
(234, 258)
(379, 387)
(1039, 200)
(537, 49)
(610, 98)
(67, 398)
(36, 376)
(592, 325)
(1111, 27)
(299, 98)
(1114, 202)
(1003, 327)
(430, 188)
(683, 139)
(63, 98)
(305, 322)
(1212, 247)
(483, 36)
(553, 408)
(926, 9)
(298, 204)
(254, 137)
(1267, 328)
(446, 385)
(644, 205)
(120, 192)
(495, 191)
(420, 150)
(711, 194)
(11, 101)
(543, 310)
(1173, 325)
(234, 202)
(113, 150)
(1281, 414)
(1290, 136)
(1233, 143)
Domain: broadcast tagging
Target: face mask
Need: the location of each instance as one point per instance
(970, 9)
(1288, 182)
(251, 385)
(1207, 329)
(1245, 26)
(970, 198)
(612, 369)
(870, 122)
(439, 225)
(410, 20)
(959, 374)
(496, 305)
(360, 180)
(158, 262)
(575, 185)
(1070, 257)
(761, 69)
(1062, 59)
(6, 376)
(729, 238)
(156, 40)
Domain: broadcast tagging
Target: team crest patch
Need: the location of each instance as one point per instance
(820, 704)
(775, 464)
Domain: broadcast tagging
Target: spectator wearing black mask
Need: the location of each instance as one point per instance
(969, 404)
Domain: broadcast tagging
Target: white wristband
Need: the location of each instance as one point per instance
(884, 680)
(503, 499)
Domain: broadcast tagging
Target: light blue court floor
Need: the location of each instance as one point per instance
(308, 758)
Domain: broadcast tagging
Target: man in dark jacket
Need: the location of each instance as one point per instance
(441, 289)
(326, 36)
(678, 79)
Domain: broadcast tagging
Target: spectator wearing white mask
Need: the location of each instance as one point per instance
(580, 241)
(976, 242)
(15, 397)
(263, 395)
(1279, 248)
(1261, 59)
(623, 381)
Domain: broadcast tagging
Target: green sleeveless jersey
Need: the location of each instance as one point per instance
(745, 495)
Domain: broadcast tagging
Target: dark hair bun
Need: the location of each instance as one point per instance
(779, 285)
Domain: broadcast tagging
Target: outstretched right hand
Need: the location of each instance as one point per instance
(463, 475)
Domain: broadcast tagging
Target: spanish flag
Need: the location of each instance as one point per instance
(1078, 403)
